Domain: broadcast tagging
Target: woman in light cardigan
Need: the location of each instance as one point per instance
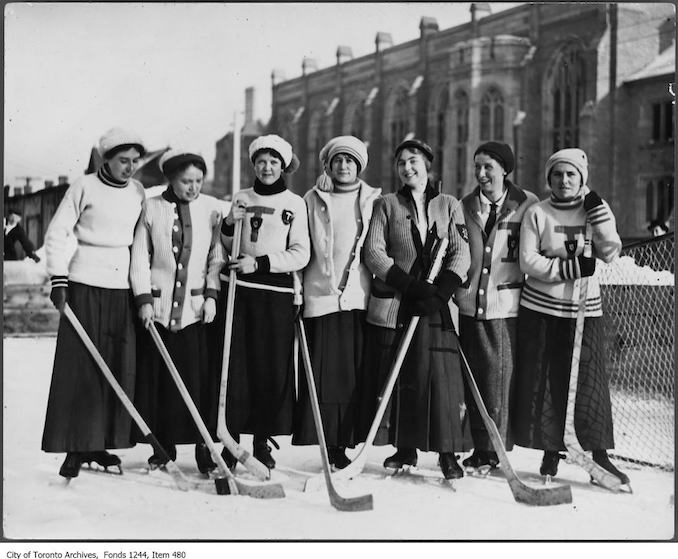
(274, 247)
(551, 256)
(176, 259)
(336, 290)
(84, 416)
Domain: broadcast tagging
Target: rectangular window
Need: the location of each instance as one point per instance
(656, 122)
(668, 121)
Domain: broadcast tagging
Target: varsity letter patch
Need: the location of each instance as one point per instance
(287, 216)
(463, 231)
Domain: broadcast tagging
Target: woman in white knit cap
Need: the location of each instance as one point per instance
(84, 416)
(273, 248)
(551, 256)
(176, 260)
(336, 291)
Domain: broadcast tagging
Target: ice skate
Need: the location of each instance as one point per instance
(104, 459)
(601, 458)
(481, 462)
(337, 457)
(449, 466)
(203, 459)
(156, 461)
(404, 458)
(71, 466)
(262, 452)
(549, 465)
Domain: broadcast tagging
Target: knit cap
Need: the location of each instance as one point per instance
(500, 152)
(415, 143)
(118, 137)
(172, 159)
(573, 156)
(275, 143)
(349, 145)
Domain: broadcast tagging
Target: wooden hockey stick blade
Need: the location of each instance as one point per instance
(522, 493)
(177, 474)
(235, 486)
(362, 502)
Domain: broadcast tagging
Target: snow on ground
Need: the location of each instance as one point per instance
(37, 505)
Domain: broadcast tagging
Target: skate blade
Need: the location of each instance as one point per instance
(548, 479)
(103, 469)
(623, 488)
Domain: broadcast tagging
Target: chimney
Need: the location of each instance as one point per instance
(18, 190)
(344, 54)
(308, 65)
(478, 10)
(383, 41)
(63, 179)
(28, 189)
(49, 184)
(249, 106)
(277, 76)
(428, 25)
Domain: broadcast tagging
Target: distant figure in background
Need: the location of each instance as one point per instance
(84, 416)
(14, 233)
(657, 228)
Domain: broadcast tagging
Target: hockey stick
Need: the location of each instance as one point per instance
(178, 476)
(363, 502)
(574, 448)
(358, 463)
(522, 493)
(227, 482)
(238, 451)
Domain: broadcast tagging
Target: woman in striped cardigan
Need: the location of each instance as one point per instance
(551, 255)
(176, 258)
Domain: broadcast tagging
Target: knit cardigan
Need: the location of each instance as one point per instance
(102, 219)
(391, 240)
(320, 278)
(495, 279)
(551, 237)
(176, 261)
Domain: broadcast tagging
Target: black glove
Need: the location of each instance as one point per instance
(446, 284)
(34, 257)
(420, 289)
(591, 201)
(58, 297)
(428, 306)
(587, 266)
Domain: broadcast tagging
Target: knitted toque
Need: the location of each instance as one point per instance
(174, 158)
(573, 156)
(118, 137)
(275, 143)
(349, 145)
(500, 152)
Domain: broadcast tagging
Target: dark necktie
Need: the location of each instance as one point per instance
(491, 219)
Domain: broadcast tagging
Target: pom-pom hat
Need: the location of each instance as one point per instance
(118, 137)
(349, 145)
(274, 143)
(500, 152)
(575, 157)
(172, 159)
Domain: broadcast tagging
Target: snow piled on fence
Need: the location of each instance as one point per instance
(624, 271)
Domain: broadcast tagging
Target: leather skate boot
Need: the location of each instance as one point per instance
(101, 457)
(71, 466)
(338, 458)
(481, 458)
(549, 463)
(156, 461)
(601, 458)
(449, 466)
(203, 459)
(403, 456)
(262, 452)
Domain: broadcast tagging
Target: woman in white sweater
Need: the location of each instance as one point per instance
(273, 248)
(176, 259)
(84, 416)
(336, 291)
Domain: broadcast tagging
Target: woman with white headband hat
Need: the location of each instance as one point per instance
(551, 256)
(274, 246)
(176, 260)
(336, 291)
(84, 416)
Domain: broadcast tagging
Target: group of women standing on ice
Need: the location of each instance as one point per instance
(353, 263)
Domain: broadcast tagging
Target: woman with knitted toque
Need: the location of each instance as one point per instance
(551, 256)
(176, 260)
(274, 247)
(336, 290)
(84, 416)
(427, 409)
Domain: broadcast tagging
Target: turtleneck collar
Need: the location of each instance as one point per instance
(569, 204)
(267, 190)
(170, 196)
(105, 176)
(346, 188)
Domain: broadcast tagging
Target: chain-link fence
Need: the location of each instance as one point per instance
(638, 303)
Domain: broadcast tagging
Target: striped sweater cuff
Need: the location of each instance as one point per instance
(598, 215)
(59, 281)
(143, 299)
(263, 263)
(569, 269)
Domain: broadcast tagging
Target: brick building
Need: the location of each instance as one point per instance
(538, 76)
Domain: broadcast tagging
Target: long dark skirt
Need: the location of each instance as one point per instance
(158, 399)
(336, 345)
(491, 349)
(83, 412)
(542, 379)
(427, 409)
(260, 390)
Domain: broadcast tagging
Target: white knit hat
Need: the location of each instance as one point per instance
(345, 144)
(173, 158)
(275, 143)
(575, 157)
(118, 137)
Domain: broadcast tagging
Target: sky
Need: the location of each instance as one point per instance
(173, 72)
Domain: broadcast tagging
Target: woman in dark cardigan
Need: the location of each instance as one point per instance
(427, 409)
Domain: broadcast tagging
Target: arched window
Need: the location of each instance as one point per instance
(568, 89)
(441, 131)
(461, 116)
(492, 116)
(316, 141)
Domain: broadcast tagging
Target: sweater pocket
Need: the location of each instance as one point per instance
(381, 304)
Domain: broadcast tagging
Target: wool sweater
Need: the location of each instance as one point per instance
(551, 237)
(393, 239)
(495, 279)
(275, 232)
(322, 277)
(102, 219)
(176, 258)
